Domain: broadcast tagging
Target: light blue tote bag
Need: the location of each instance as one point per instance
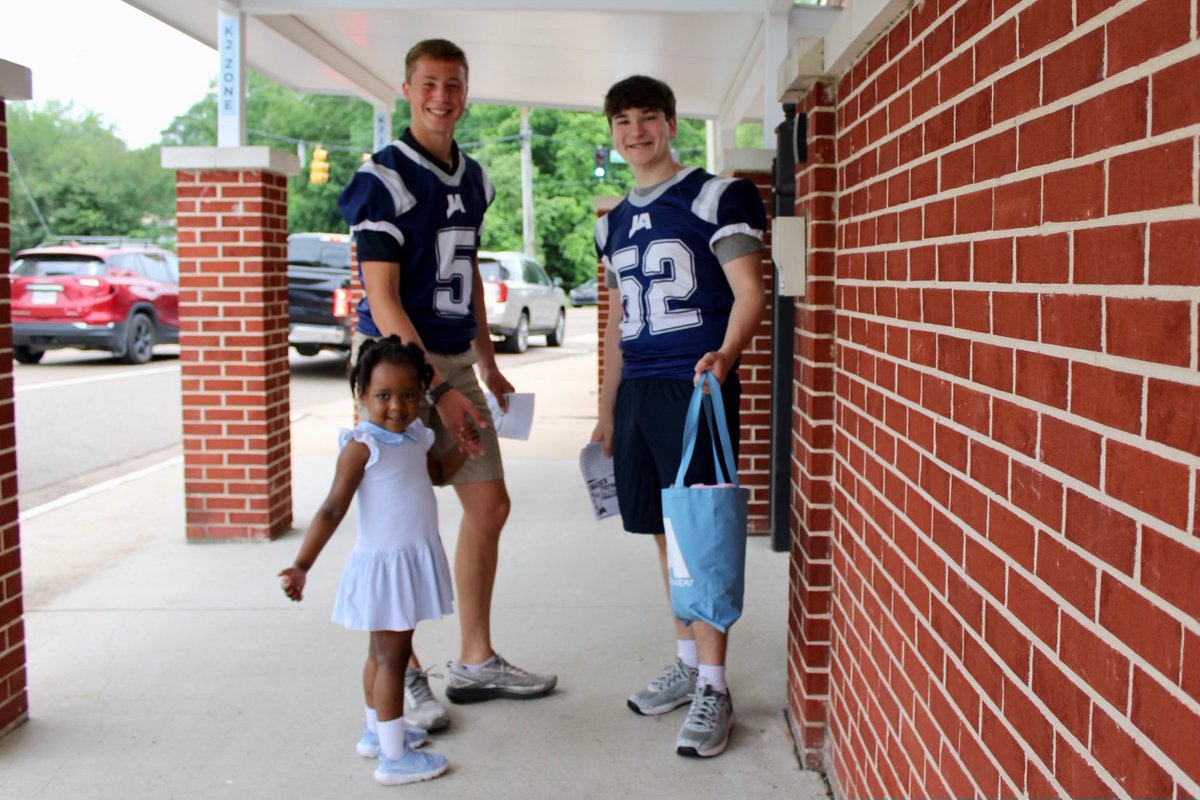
(705, 526)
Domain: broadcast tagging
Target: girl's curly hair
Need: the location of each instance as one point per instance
(393, 351)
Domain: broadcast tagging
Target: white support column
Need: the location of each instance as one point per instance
(721, 139)
(231, 77)
(527, 181)
(383, 128)
(775, 50)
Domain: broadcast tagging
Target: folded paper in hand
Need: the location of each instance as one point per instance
(597, 472)
(517, 421)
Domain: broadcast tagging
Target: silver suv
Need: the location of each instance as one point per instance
(521, 299)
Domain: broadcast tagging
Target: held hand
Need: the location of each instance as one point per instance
(459, 414)
(292, 581)
(469, 434)
(715, 361)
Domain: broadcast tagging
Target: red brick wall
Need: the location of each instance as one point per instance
(810, 595)
(1018, 404)
(14, 701)
(234, 310)
(754, 467)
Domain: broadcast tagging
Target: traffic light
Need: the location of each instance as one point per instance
(318, 170)
(601, 162)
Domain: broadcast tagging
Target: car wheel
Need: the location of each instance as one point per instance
(139, 340)
(27, 355)
(518, 340)
(555, 337)
(307, 349)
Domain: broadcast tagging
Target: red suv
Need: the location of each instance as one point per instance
(93, 293)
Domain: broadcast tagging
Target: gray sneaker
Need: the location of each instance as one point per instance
(705, 732)
(422, 709)
(496, 678)
(670, 690)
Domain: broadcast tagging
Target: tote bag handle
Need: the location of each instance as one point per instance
(718, 429)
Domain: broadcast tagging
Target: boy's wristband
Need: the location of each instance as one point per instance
(435, 394)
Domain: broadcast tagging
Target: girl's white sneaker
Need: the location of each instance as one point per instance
(413, 766)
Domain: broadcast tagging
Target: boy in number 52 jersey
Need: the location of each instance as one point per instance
(682, 262)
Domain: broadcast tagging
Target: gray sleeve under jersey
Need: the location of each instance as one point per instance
(736, 245)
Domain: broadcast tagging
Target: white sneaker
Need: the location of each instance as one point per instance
(496, 678)
(705, 732)
(421, 708)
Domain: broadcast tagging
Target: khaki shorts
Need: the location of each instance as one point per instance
(459, 372)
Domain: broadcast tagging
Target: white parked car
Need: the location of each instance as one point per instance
(521, 299)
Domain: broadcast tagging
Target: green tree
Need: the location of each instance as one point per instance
(82, 179)
(563, 147)
(288, 120)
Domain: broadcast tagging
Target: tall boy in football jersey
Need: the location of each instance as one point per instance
(416, 209)
(681, 254)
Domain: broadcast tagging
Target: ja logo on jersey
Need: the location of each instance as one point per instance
(454, 203)
(679, 574)
(640, 222)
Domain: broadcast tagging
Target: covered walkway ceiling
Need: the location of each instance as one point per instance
(718, 55)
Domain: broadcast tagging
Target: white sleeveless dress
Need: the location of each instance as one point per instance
(397, 574)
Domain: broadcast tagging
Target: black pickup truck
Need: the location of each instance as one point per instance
(319, 311)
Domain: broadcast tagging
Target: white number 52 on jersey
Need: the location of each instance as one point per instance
(671, 268)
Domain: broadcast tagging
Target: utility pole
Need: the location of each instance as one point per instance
(527, 181)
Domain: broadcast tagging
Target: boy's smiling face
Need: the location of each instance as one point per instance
(437, 92)
(643, 136)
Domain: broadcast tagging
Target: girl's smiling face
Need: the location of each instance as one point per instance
(393, 396)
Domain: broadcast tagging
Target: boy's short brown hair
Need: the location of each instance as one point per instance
(438, 50)
(639, 91)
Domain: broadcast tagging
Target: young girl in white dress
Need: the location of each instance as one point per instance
(397, 574)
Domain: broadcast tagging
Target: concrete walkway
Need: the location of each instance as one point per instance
(160, 669)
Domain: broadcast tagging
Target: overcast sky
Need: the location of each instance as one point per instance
(104, 55)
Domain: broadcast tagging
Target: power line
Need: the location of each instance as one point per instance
(29, 195)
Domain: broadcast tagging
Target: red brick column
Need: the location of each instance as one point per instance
(754, 454)
(232, 222)
(810, 598)
(601, 204)
(14, 699)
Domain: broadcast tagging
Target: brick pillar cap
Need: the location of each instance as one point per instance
(256, 157)
(746, 161)
(606, 202)
(16, 81)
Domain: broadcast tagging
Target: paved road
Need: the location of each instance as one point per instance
(83, 419)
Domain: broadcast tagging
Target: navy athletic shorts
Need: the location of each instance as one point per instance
(648, 444)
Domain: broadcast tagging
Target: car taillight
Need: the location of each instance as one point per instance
(341, 302)
(500, 288)
(100, 285)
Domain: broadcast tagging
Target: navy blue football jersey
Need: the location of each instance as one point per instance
(403, 206)
(674, 295)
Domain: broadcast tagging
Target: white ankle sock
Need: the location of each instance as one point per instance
(686, 650)
(391, 738)
(714, 676)
(372, 720)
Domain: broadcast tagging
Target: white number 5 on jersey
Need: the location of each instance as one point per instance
(452, 297)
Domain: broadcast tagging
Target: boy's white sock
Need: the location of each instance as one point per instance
(391, 738)
(686, 649)
(372, 720)
(713, 675)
